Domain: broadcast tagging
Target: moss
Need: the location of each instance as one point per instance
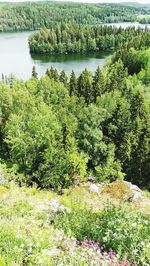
(3, 190)
(118, 190)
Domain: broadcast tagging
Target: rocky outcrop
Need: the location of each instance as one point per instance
(136, 192)
(121, 190)
(93, 188)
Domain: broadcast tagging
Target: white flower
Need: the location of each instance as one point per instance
(105, 239)
(52, 252)
(55, 206)
(29, 249)
(134, 225)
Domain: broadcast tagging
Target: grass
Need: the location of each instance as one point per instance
(39, 227)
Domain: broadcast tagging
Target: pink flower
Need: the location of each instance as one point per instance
(111, 254)
(90, 244)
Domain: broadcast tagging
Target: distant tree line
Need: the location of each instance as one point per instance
(31, 16)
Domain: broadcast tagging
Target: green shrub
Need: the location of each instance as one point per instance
(79, 223)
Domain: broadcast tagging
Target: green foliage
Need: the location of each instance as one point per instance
(73, 84)
(12, 247)
(67, 38)
(42, 145)
(125, 232)
(79, 223)
(24, 16)
(58, 129)
(49, 228)
(34, 73)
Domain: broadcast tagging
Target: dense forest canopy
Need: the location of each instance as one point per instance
(31, 16)
(58, 129)
(64, 38)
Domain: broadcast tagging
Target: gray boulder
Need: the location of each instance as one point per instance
(94, 189)
(136, 192)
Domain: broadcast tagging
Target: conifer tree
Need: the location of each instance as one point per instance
(85, 85)
(99, 83)
(34, 73)
(52, 73)
(63, 78)
(73, 84)
(3, 78)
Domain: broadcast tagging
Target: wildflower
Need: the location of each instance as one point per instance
(105, 239)
(30, 250)
(134, 225)
(111, 254)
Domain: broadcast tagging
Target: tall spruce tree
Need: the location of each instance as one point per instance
(63, 78)
(85, 86)
(73, 84)
(34, 73)
(99, 83)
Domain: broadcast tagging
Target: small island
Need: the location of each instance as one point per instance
(70, 38)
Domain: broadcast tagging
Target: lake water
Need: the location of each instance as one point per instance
(129, 24)
(15, 57)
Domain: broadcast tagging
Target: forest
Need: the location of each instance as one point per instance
(95, 123)
(32, 16)
(75, 149)
(67, 38)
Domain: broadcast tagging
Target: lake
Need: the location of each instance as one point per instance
(15, 57)
(125, 25)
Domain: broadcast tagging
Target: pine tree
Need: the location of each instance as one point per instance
(11, 80)
(52, 73)
(47, 73)
(99, 83)
(34, 73)
(73, 84)
(3, 78)
(55, 75)
(85, 85)
(117, 76)
(63, 78)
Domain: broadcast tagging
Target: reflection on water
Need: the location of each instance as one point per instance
(77, 62)
(67, 57)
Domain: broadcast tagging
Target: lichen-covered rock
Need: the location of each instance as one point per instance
(94, 189)
(131, 186)
(118, 190)
(136, 192)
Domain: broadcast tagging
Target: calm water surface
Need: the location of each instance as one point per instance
(15, 57)
(129, 24)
